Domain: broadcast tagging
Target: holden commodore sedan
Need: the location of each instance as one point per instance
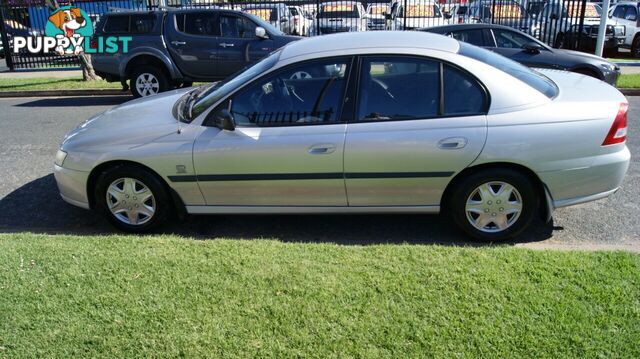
(385, 122)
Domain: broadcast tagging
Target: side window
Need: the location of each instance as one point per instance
(199, 23)
(510, 39)
(631, 13)
(309, 93)
(141, 24)
(117, 24)
(398, 88)
(474, 37)
(462, 93)
(236, 27)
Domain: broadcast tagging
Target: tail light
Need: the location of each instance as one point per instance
(618, 131)
(93, 44)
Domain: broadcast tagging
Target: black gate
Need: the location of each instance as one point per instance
(559, 23)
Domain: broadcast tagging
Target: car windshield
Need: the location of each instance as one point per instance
(197, 101)
(378, 9)
(332, 11)
(532, 78)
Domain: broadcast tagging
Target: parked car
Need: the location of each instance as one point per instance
(376, 19)
(437, 125)
(301, 21)
(340, 16)
(417, 14)
(560, 26)
(277, 14)
(626, 14)
(176, 47)
(529, 51)
(502, 12)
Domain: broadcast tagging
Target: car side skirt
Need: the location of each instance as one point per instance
(309, 209)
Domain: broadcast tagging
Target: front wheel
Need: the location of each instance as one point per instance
(131, 198)
(494, 205)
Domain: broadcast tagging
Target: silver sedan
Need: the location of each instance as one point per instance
(384, 122)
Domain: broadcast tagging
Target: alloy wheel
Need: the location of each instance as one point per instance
(147, 84)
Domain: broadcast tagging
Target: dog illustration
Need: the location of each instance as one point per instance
(68, 21)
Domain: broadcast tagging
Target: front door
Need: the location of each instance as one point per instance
(238, 45)
(192, 42)
(509, 44)
(287, 148)
(408, 140)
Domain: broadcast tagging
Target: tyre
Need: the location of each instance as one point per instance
(635, 47)
(147, 81)
(494, 205)
(131, 198)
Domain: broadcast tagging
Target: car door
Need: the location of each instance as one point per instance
(238, 45)
(630, 20)
(192, 40)
(509, 44)
(407, 140)
(287, 147)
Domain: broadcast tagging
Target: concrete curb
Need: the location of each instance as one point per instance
(630, 92)
(64, 93)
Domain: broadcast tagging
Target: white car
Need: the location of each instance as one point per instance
(301, 23)
(369, 122)
(341, 16)
(626, 14)
(417, 14)
(375, 15)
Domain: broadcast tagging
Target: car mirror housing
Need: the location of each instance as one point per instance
(261, 33)
(222, 119)
(532, 47)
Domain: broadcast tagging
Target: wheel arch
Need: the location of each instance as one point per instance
(95, 173)
(147, 59)
(546, 202)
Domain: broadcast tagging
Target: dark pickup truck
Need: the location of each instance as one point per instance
(172, 48)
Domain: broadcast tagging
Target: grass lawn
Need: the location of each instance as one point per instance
(629, 81)
(119, 296)
(67, 83)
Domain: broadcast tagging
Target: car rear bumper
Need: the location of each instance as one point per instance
(72, 185)
(580, 185)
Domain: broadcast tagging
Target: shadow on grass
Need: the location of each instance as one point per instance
(36, 207)
(78, 101)
(18, 86)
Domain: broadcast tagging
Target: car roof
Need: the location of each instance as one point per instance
(370, 39)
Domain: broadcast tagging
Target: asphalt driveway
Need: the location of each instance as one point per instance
(31, 129)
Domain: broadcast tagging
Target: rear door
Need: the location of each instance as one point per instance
(407, 141)
(238, 45)
(192, 40)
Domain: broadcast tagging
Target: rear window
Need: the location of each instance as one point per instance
(532, 78)
(130, 24)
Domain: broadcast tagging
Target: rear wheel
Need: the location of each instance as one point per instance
(131, 198)
(635, 47)
(147, 81)
(494, 205)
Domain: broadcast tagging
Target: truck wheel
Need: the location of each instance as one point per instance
(147, 81)
(635, 47)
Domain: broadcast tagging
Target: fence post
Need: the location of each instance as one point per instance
(317, 17)
(5, 41)
(404, 15)
(583, 10)
(602, 29)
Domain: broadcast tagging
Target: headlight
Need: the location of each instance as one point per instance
(608, 67)
(620, 30)
(60, 156)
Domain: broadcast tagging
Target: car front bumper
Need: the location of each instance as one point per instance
(72, 185)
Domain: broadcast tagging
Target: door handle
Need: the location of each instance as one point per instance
(225, 45)
(323, 149)
(176, 43)
(452, 143)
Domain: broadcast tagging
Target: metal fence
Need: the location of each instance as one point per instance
(559, 23)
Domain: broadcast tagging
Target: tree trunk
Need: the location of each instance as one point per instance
(88, 74)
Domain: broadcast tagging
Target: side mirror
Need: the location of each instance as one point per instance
(532, 47)
(223, 119)
(261, 33)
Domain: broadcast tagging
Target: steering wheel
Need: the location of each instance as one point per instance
(300, 75)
